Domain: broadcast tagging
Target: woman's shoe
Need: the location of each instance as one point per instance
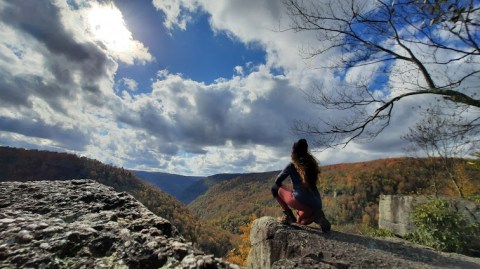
(321, 220)
(288, 217)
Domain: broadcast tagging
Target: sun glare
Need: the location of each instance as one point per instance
(107, 25)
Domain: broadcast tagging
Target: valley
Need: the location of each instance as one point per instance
(213, 211)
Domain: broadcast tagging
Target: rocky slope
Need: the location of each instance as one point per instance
(294, 246)
(84, 224)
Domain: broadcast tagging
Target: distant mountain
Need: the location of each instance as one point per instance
(30, 165)
(201, 186)
(230, 203)
(170, 183)
(350, 191)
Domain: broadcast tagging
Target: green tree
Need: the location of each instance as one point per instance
(442, 228)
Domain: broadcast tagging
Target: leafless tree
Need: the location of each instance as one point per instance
(418, 48)
(445, 139)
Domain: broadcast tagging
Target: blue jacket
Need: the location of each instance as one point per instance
(306, 197)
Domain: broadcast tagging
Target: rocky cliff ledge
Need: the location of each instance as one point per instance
(279, 246)
(84, 224)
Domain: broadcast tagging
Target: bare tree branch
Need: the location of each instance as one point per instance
(431, 37)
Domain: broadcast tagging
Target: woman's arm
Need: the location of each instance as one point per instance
(282, 176)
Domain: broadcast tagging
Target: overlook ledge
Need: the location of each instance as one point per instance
(279, 246)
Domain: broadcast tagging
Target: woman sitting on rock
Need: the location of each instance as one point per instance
(305, 198)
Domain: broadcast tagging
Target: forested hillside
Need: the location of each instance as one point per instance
(230, 203)
(169, 183)
(350, 191)
(200, 187)
(26, 165)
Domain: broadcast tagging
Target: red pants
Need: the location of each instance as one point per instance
(286, 200)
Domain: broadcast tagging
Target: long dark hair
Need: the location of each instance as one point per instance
(306, 164)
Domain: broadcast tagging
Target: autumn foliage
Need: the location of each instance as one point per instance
(350, 191)
(239, 254)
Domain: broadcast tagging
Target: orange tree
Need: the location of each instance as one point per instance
(239, 255)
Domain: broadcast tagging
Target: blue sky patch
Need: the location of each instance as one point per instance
(197, 53)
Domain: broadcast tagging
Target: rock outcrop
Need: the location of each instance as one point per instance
(395, 211)
(275, 245)
(84, 224)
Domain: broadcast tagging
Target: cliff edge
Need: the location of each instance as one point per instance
(84, 224)
(275, 245)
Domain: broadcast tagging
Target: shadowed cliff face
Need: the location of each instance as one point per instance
(275, 245)
(70, 224)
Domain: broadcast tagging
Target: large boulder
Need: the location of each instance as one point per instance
(395, 211)
(84, 224)
(275, 245)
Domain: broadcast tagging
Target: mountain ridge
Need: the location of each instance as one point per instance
(172, 184)
(200, 187)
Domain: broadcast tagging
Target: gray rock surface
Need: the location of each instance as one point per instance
(84, 224)
(394, 211)
(275, 245)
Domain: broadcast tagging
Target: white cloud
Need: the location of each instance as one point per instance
(176, 12)
(182, 126)
(128, 83)
(256, 109)
(104, 23)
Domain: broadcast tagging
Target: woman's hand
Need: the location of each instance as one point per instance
(275, 189)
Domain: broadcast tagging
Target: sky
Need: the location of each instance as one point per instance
(192, 87)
